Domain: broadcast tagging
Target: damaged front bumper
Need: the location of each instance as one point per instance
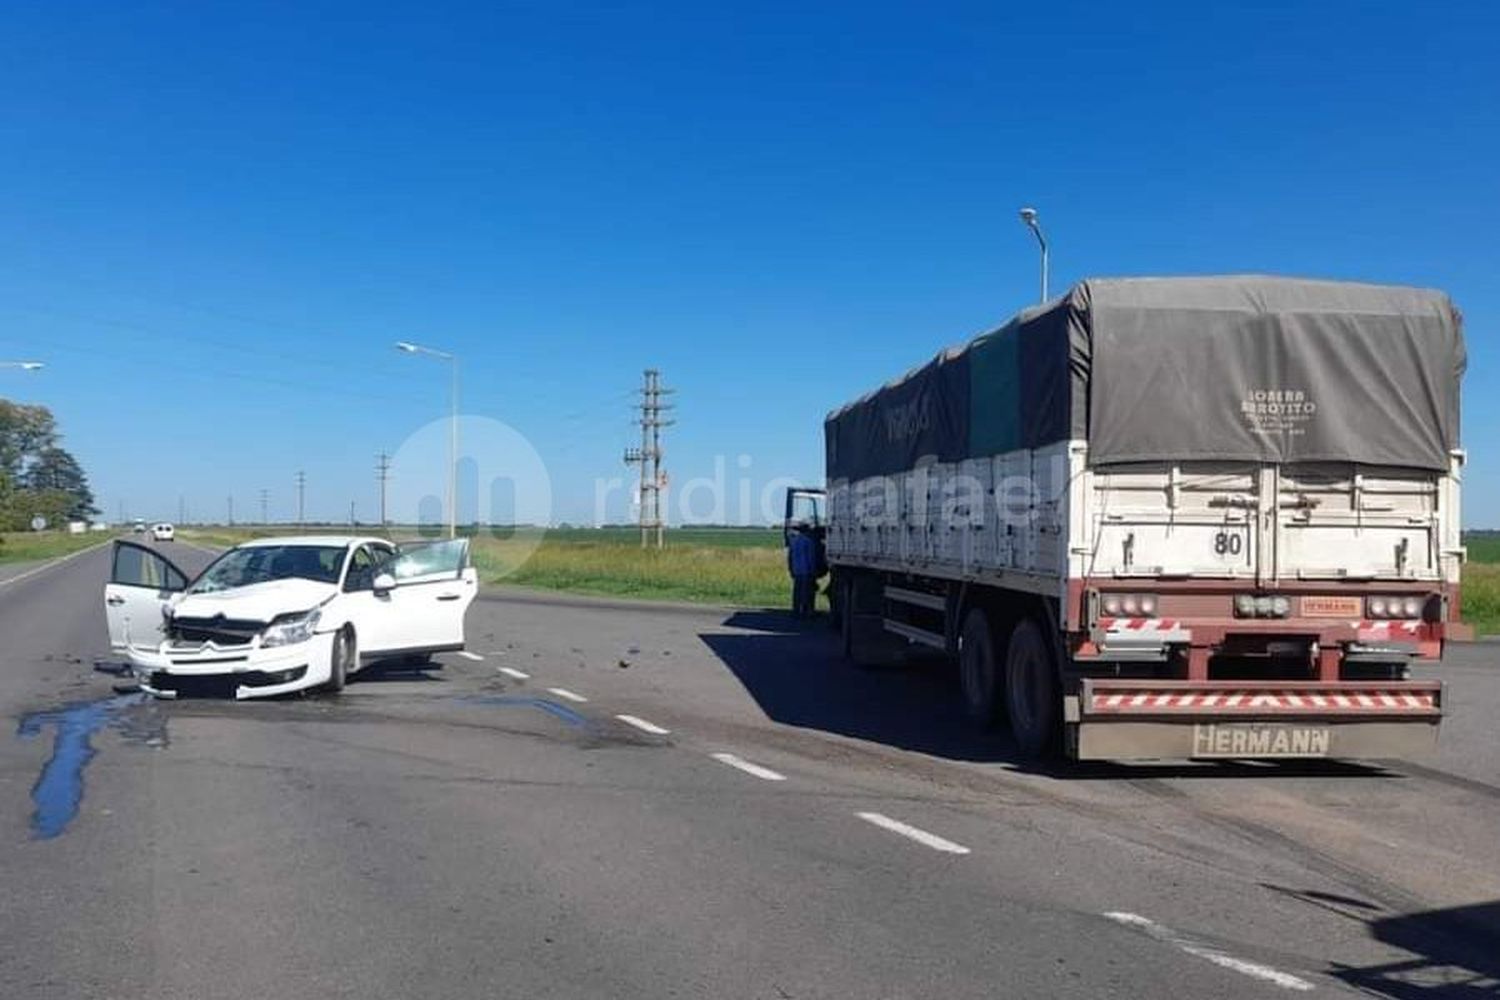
(249, 671)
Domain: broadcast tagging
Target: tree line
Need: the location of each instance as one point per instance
(38, 476)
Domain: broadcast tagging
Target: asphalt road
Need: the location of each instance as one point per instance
(800, 829)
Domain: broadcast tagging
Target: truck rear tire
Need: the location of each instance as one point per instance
(978, 669)
(1031, 691)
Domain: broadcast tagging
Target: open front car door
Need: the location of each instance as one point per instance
(434, 587)
(141, 583)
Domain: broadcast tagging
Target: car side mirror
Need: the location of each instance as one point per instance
(383, 582)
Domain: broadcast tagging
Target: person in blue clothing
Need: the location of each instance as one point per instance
(802, 561)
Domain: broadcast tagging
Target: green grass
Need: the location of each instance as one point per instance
(736, 566)
(713, 570)
(1483, 548)
(20, 546)
(1481, 584)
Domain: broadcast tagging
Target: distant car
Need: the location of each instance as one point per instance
(164, 533)
(285, 614)
(139, 528)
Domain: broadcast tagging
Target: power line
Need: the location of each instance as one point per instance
(649, 455)
(382, 476)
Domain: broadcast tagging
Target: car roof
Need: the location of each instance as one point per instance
(325, 540)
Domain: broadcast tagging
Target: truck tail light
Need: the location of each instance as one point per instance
(1128, 605)
(1396, 607)
(1262, 606)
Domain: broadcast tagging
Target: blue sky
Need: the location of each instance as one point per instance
(213, 223)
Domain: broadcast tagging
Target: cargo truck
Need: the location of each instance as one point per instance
(1170, 518)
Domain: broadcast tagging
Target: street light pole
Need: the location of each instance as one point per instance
(410, 348)
(1028, 216)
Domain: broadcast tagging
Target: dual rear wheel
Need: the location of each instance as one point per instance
(1017, 679)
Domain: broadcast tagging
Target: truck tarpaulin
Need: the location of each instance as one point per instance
(1175, 369)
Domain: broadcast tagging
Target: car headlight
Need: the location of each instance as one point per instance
(288, 630)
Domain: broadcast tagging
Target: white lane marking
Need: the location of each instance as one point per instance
(519, 675)
(643, 725)
(1198, 949)
(931, 840)
(48, 565)
(468, 655)
(764, 773)
(565, 693)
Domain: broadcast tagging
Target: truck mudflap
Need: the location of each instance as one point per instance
(1114, 719)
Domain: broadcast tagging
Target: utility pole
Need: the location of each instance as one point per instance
(301, 487)
(649, 455)
(231, 510)
(382, 476)
(181, 509)
(265, 506)
(351, 513)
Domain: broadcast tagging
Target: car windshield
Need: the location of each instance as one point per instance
(261, 563)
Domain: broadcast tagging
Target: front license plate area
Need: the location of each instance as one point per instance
(1260, 739)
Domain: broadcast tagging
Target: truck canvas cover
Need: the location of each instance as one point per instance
(1258, 369)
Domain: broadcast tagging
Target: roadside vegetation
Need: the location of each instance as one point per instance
(738, 566)
(38, 476)
(22, 546)
(714, 566)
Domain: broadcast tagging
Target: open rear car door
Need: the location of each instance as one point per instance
(434, 586)
(141, 582)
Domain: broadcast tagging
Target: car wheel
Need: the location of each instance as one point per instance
(341, 660)
(1031, 691)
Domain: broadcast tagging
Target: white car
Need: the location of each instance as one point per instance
(163, 532)
(285, 614)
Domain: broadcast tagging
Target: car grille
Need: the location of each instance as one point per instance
(218, 630)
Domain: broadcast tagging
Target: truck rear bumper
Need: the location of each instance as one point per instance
(1184, 720)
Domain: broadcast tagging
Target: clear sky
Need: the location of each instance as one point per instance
(215, 222)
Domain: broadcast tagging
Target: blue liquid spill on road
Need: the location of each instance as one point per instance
(58, 792)
(552, 708)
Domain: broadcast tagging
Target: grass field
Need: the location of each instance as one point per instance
(20, 546)
(738, 566)
(716, 567)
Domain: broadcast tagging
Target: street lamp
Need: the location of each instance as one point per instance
(1028, 216)
(410, 348)
(30, 366)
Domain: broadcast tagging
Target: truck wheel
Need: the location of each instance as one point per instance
(1031, 691)
(978, 675)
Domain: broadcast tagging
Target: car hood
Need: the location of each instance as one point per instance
(259, 602)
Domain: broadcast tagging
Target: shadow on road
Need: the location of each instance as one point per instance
(1455, 954)
(798, 676)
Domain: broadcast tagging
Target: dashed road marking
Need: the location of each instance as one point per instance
(519, 675)
(468, 655)
(643, 725)
(931, 840)
(764, 773)
(1199, 949)
(565, 693)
